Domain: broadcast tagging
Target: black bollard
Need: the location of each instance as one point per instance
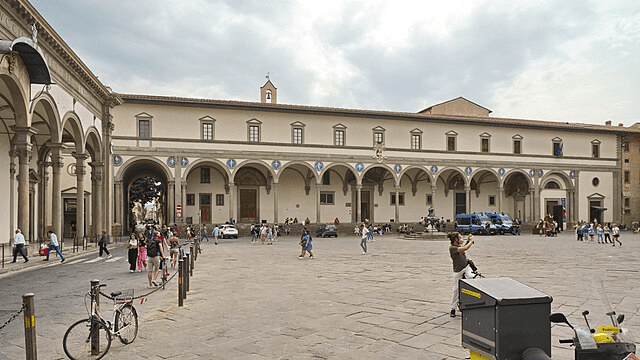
(95, 334)
(180, 282)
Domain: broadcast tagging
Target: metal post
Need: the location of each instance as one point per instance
(193, 257)
(187, 274)
(95, 334)
(29, 327)
(180, 282)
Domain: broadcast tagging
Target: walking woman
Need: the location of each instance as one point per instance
(142, 252)
(133, 252)
(103, 244)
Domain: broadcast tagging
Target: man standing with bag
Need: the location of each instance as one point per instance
(18, 243)
(54, 246)
(154, 253)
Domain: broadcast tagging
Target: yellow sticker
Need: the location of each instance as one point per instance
(608, 329)
(470, 293)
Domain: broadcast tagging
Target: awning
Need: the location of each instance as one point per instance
(599, 208)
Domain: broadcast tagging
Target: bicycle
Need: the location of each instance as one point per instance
(90, 338)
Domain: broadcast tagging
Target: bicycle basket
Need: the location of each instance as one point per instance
(125, 296)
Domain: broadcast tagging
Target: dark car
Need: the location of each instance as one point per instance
(327, 230)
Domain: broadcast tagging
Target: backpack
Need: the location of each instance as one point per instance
(152, 248)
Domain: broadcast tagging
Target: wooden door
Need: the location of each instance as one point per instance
(248, 205)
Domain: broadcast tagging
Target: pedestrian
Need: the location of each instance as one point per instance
(54, 246)
(305, 242)
(269, 235)
(203, 232)
(142, 251)
(174, 250)
(592, 232)
(607, 233)
(461, 267)
(154, 253)
(615, 232)
(216, 233)
(133, 252)
(364, 232)
(18, 246)
(103, 244)
(600, 233)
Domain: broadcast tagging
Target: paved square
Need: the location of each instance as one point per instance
(262, 302)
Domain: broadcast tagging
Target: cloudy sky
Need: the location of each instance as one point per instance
(564, 60)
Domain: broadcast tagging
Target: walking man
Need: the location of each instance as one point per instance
(54, 246)
(461, 266)
(154, 253)
(216, 233)
(18, 243)
(103, 244)
(364, 232)
(204, 232)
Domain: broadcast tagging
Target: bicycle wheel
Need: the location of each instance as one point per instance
(77, 342)
(126, 325)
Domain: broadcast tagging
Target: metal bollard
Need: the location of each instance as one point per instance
(193, 258)
(184, 274)
(180, 282)
(188, 272)
(29, 327)
(95, 334)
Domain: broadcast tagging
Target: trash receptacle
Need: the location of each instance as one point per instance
(502, 317)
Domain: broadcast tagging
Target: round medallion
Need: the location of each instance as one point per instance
(71, 169)
(318, 166)
(117, 160)
(171, 161)
(468, 170)
(359, 167)
(501, 171)
(532, 172)
(572, 174)
(434, 169)
(275, 164)
(184, 162)
(397, 168)
(231, 163)
(540, 173)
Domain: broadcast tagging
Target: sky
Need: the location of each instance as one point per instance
(565, 60)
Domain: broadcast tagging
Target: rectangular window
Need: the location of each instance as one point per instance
(326, 198)
(484, 145)
(219, 199)
(625, 146)
(626, 161)
(595, 150)
(339, 137)
(557, 149)
(626, 202)
(429, 200)
(378, 137)
(451, 143)
(492, 200)
(517, 146)
(627, 177)
(144, 129)
(297, 136)
(416, 141)
(191, 199)
(400, 199)
(207, 131)
(254, 133)
(205, 175)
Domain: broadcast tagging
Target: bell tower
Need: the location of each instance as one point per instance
(268, 92)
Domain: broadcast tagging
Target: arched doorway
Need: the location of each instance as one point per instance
(136, 178)
(516, 190)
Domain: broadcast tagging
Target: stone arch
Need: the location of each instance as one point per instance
(205, 180)
(132, 170)
(45, 107)
(415, 174)
(449, 175)
(558, 176)
(221, 167)
(347, 177)
(72, 131)
(291, 164)
(94, 144)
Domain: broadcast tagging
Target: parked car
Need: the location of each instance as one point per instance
(228, 231)
(327, 230)
(476, 223)
(503, 222)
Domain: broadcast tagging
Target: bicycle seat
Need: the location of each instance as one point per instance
(116, 293)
